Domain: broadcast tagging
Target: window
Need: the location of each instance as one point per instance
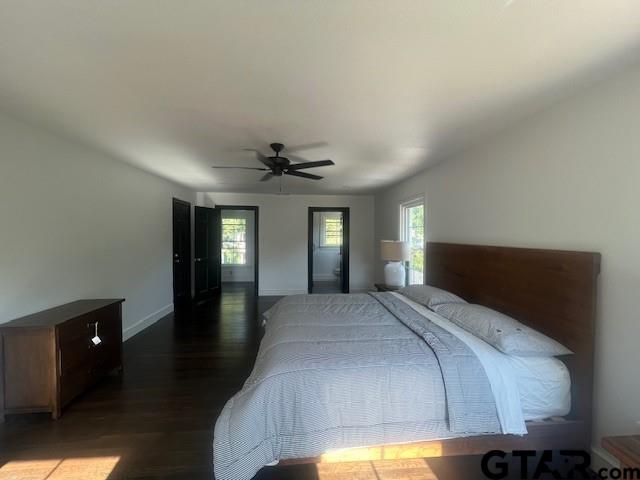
(234, 241)
(330, 231)
(412, 231)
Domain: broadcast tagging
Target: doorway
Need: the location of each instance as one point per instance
(328, 250)
(181, 253)
(239, 248)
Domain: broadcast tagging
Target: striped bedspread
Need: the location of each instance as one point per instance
(340, 371)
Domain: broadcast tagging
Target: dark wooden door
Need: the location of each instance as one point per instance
(207, 251)
(181, 252)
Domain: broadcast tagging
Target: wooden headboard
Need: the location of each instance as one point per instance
(552, 291)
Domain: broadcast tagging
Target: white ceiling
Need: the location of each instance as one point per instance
(385, 87)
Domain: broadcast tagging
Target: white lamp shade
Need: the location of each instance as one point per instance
(394, 251)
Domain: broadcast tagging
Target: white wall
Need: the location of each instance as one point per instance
(568, 178)
(242, 273)
(75, 224)
(283, 231)
(325, 259)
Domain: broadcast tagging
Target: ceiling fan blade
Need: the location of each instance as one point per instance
(296, 158)
(319, 163)
(265, 160)
(303, 175)
(243, 168)
(267, 176)
(261, 158)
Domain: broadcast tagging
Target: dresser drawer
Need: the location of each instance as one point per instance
(109, 325)
(76, 346)
(75, 328)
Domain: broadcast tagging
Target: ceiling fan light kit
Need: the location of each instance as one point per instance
(277, 166)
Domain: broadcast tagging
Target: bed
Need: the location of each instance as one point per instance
(379, 376)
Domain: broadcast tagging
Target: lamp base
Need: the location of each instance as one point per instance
(394, 274)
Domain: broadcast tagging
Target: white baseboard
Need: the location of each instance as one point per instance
(145, 322)
(600, 458)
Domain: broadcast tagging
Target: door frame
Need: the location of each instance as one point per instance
(176, 201)
(256, 213)
(345, 246)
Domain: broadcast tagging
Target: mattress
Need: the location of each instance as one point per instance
(544, 385)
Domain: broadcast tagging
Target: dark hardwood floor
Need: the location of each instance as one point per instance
(329, 286)
(156, 419)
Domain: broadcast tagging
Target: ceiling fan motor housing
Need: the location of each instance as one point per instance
(277, 147)
(279, 163)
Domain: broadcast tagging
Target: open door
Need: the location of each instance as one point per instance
(207, 252)
(181, 253)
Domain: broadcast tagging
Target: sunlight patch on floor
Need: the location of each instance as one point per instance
(385, 452)
(401, 469)
(81, 468)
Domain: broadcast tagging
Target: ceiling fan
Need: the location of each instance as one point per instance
(278, 166)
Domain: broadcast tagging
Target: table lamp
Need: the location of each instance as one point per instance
(395, 253)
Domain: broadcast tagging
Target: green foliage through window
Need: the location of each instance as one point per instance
(234, 241)
(414, 234)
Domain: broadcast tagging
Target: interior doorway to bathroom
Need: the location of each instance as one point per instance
(328, 250)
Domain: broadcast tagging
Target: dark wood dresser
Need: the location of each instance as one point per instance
(50, 357)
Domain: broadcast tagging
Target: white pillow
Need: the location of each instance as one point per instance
(503, 332)
(429, 296)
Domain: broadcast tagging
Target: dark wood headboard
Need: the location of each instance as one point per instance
(552, 291)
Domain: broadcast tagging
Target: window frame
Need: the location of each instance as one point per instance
(324, 216)
(404, 228)
(222, 242)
